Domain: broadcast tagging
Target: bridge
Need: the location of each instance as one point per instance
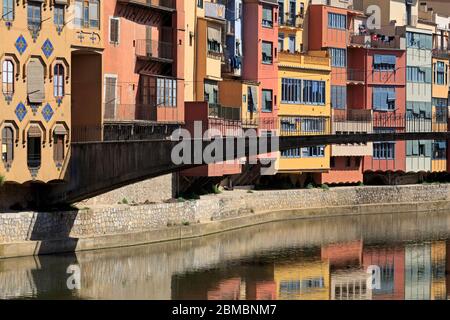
(96, 167)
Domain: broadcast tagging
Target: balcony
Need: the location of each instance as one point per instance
(214, 10)
(165, 5)
(154, 50)
(352, 121)
(441, 52)
(373, 41)
(289, 22)
(311, 60)
(223, 112)
(356, 76)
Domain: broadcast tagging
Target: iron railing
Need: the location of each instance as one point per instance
(153, 49)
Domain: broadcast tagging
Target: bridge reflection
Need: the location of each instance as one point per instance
(301, 259)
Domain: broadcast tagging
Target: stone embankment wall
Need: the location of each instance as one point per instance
(126, 219)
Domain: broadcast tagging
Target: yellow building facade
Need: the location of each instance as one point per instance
(299, 113)
(440, 88)
(309, 280)
(38, 39)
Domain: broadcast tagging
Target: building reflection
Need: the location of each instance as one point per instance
(337, 271)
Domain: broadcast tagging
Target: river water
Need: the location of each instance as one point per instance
(381, 256)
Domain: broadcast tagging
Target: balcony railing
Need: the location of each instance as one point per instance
(162, 4)
(222, 112)
(153, 49)
(371, 41)
(291, 22)
(356, 75)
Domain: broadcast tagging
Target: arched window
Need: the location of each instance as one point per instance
(8, 10)
(58, 81)
(8, 77)
(7, 145)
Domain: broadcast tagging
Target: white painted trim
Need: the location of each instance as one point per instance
(109, 30)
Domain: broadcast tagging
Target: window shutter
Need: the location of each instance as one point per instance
(254, 91)
(110, 97)
(409, 147)
(35, 81)
(415, 148)
(428, 148)
(114, 30)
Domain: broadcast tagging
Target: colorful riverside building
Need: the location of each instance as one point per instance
(304, 86)
(208, 31)
(440, 83)
(331, 24)
(377, 91)
(48, 48)
(219, 41)
(143, 74)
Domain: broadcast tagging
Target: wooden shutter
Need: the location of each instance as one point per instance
(114, 30)
(7, 144)
(110, 97)
(35, 81)
(58, 148)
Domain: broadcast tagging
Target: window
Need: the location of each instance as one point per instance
(34, 148)
(418, 74)
(337, 21)
(8, 77)
(308, 152)
(441, 106)
(267, 49)
(252, 101)
(58, 80)
(200, 3)
(87, 14)
(384, 62)
(35, 81)
(292, 44)
(211, 92)
(8, 10)
(313, 92)
(338, 97)
(419, 41)
(267, 103)
(313, 125)
(281, 12)
(418, 110)
(292, 153)
(291, 90)
(111, 95)
(7, 145)
(34, 15)
(267, 19)
(214, 39)
(384, 150)
(114, 30)
(58, 147)
(58, 15)
(440, 73)
(384, 98)
(418, 148)
(440, 150)
(166, 92)
(281, 42)
(313, 152)
(338, 57)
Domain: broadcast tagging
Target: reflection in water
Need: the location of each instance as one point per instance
(325, 259)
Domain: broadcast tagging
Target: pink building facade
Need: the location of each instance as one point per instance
(143, 72)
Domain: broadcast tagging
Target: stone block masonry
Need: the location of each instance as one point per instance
(212, 213)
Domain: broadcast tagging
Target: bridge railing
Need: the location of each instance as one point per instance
(123, 131)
